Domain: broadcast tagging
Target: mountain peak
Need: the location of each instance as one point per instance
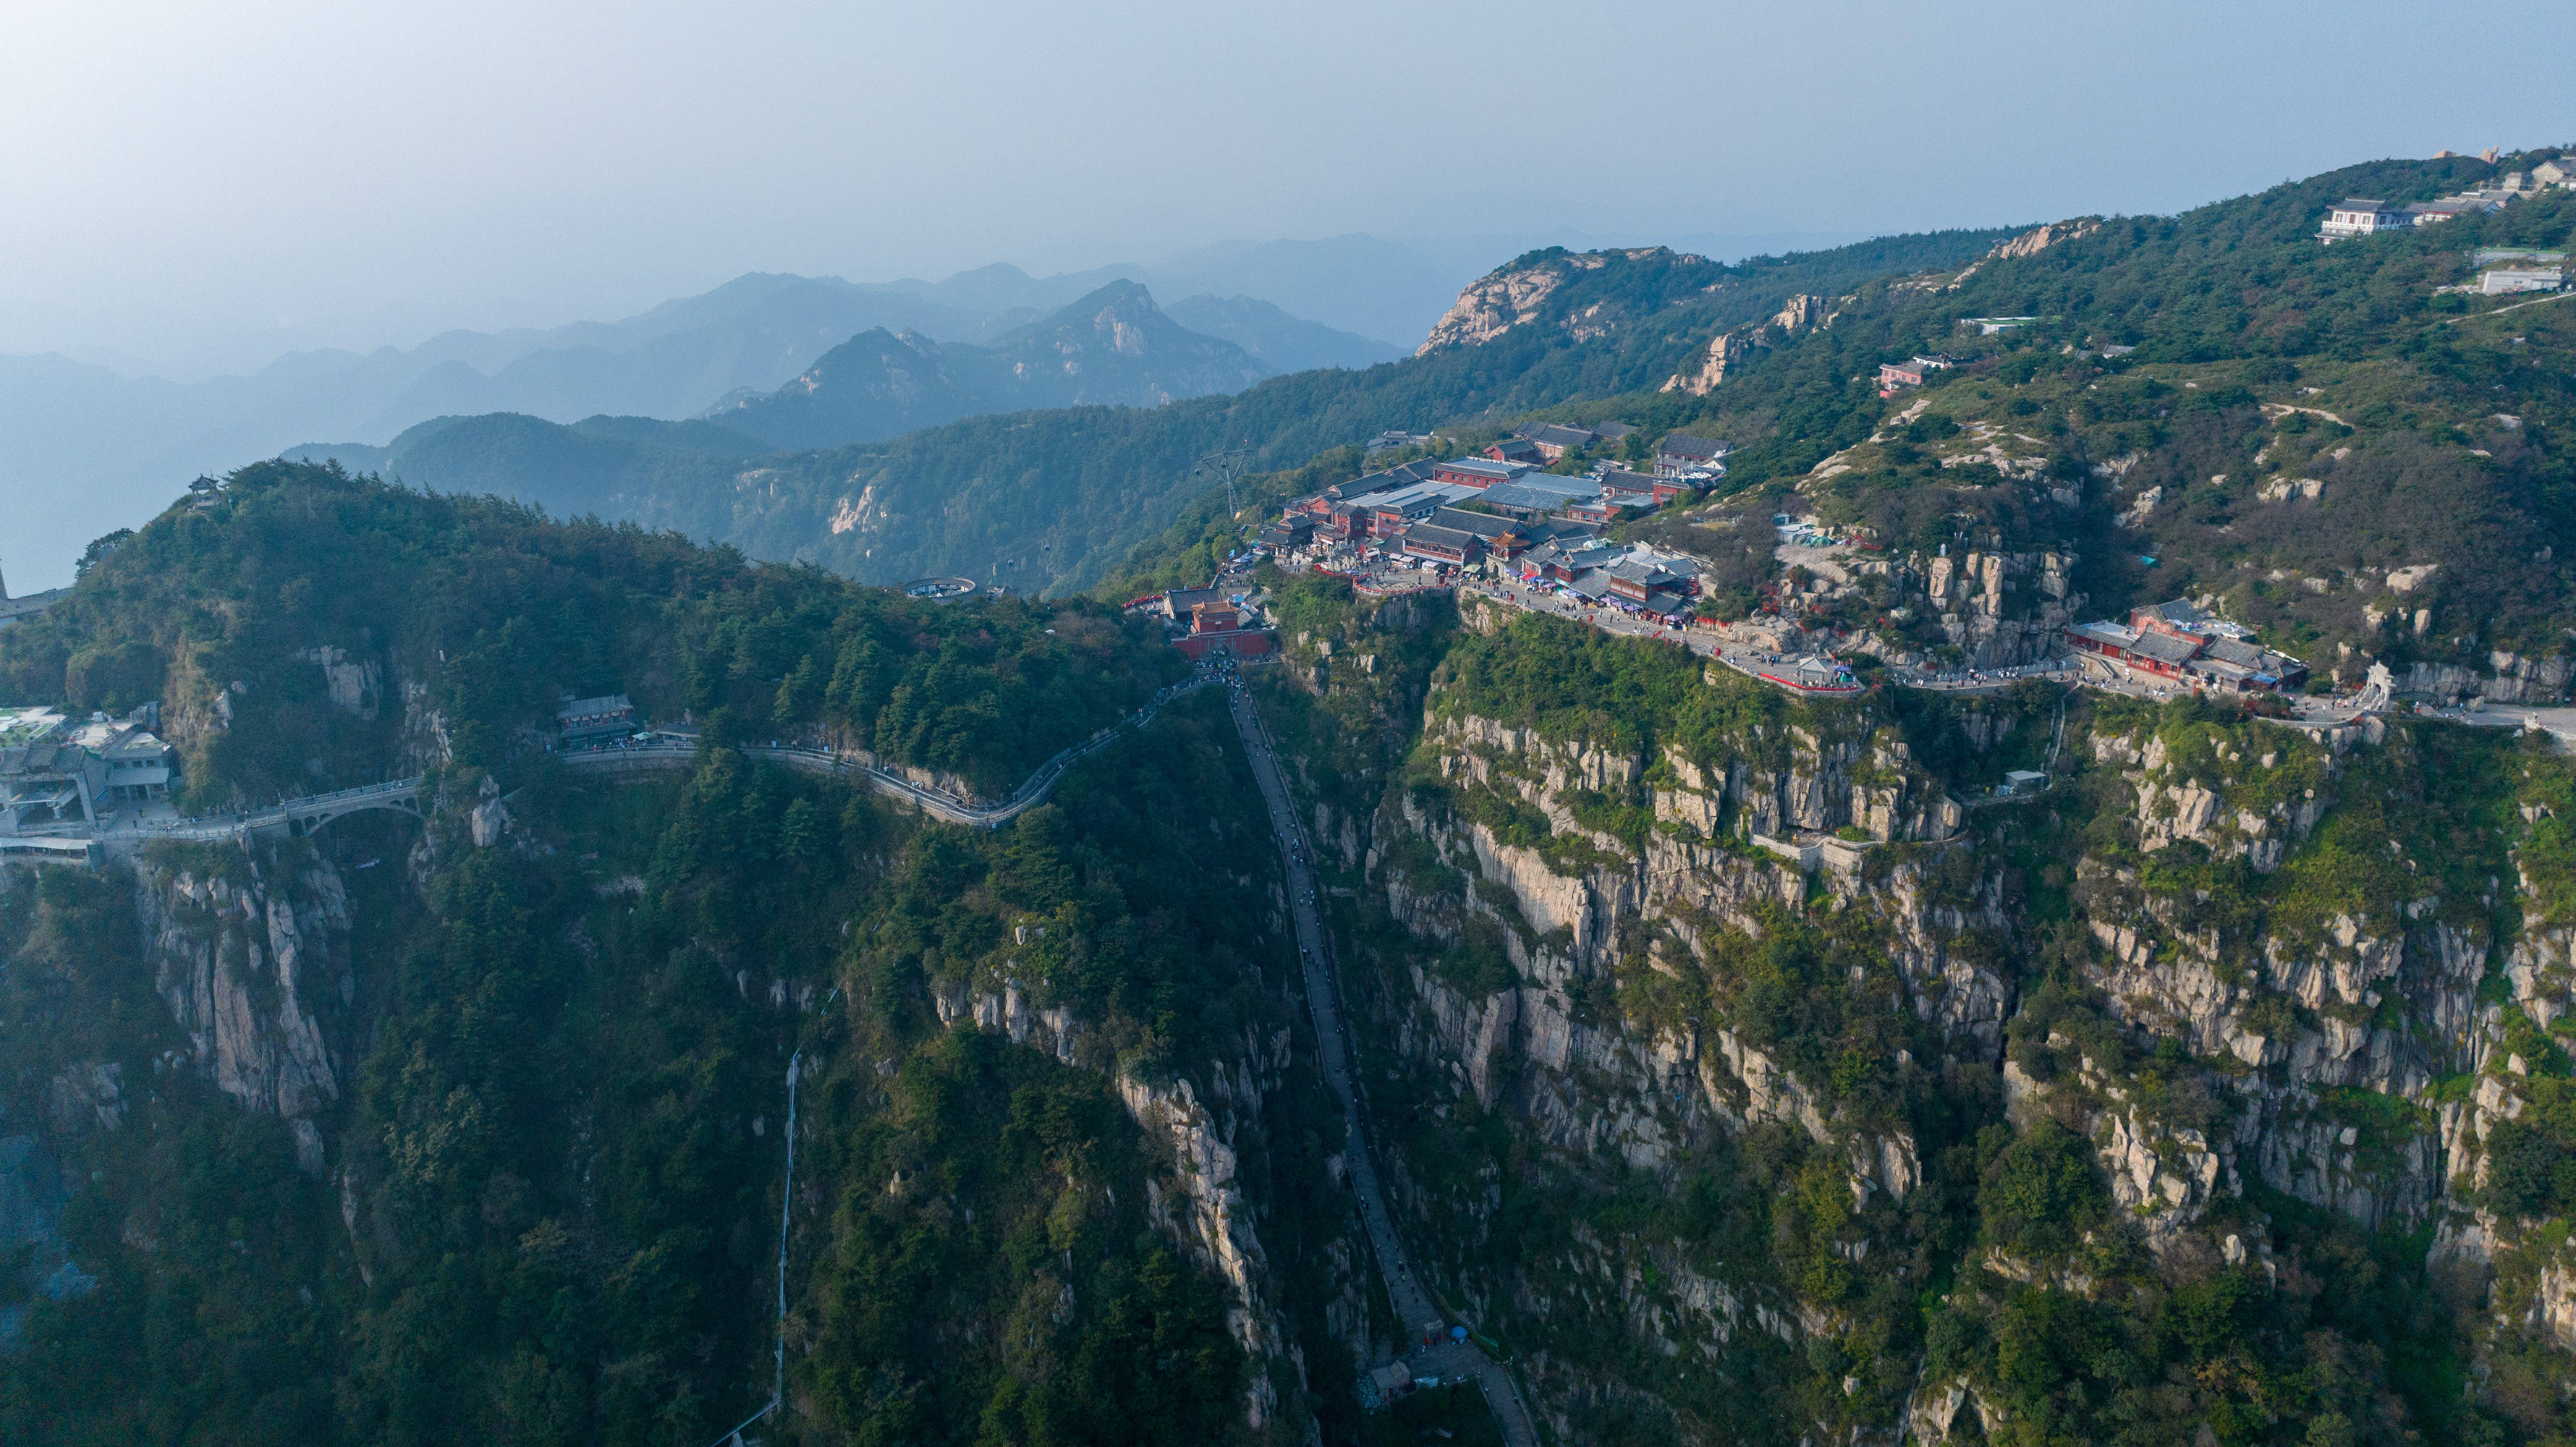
(1590, 293)
(1112, 346)
(1115, 308)
(1128, 298)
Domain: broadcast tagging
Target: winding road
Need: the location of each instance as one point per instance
(1412, 1303)
(939, 805)
(665, 751)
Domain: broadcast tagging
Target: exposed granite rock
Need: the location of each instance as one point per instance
(255, 968)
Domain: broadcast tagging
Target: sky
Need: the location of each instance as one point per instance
(194, 187)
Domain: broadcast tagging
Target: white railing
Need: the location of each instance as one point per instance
(226, 826)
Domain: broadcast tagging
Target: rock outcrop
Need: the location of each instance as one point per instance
(2354, 1060)
(253, 962)
(1494, 304)
(1199, 1204)
(1584, 294)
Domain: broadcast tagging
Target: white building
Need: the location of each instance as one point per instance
(2511, 279)
(55, 772)
(2355, 216)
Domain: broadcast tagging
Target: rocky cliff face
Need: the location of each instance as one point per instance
(253, 961)
(1592, 916)
(1995, 606)
(2030, 243)
(1203, 1129)
(1494, 305)
(1732, 352)
(1584, 295)
(2282, 990)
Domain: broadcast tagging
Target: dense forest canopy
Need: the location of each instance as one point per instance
(537, 1199)
(234, 604)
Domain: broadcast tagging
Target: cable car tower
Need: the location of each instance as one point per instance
(1224, 468)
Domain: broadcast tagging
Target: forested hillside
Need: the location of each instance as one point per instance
(2332, 443)
(1052, 500)
(2209, 1097)
(472, 1131)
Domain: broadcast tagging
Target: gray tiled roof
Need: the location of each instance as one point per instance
(1483, 525)
(2165, 648)
(1432, 535)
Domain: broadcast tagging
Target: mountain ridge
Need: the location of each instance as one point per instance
(1052, 500)
(1113, 346)
(90, 445)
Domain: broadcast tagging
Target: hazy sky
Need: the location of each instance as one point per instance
(196, 183)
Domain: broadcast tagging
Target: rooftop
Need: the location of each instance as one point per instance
(123, 737)
(1363, 486)
(1634, 571)
(1610, 502)
(1483, 525)
(1419, 493)
(23, 726)
(1432, 535)
(1486, 467)
(1539, 495)
(2164, 647)
(32, 602)
(1557, 435)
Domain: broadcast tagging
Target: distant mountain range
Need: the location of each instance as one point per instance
(84, 449)
(1055, 497)
(1114, 347)
(1278, 341)
(1388, 291)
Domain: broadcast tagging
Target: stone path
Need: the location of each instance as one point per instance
(1314, 948)
(665, 751)
(938, 805)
